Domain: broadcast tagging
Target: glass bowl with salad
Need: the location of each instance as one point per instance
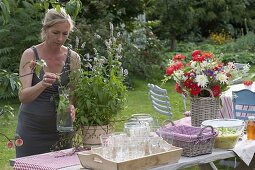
(229, 131)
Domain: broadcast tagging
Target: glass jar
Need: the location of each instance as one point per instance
(251, 128)
(64, 119)
(137, 129)
(142, 117)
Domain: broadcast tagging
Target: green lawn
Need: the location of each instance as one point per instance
(8, 128)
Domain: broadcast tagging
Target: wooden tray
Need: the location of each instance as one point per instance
(95, 161)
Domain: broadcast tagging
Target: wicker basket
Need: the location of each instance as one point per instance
(204, 108)
(194, 140)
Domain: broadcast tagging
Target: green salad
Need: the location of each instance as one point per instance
(227, 138)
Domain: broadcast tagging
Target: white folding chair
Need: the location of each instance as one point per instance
(160, 100)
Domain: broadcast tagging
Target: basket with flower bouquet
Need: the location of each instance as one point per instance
(203, 79)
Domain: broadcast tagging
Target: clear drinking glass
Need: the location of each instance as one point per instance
(120, 150)
(64, 119)
(107, 146)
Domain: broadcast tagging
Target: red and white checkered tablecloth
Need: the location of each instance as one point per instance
(48, 161)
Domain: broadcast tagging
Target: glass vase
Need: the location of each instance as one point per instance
(64, 119)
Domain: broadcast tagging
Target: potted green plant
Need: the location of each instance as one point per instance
(100, 93)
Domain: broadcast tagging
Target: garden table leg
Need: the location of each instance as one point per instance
(243, 166)
(208, 166)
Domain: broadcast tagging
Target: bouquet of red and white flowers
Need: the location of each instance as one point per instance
(204, 71)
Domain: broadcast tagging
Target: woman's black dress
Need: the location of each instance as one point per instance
(37, 119)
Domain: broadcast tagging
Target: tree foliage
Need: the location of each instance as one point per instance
(182, 18)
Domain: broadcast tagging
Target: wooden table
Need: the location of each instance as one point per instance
(184, 162)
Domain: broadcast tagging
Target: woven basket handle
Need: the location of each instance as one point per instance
(201, 131)
(209, 90)
(165, 122)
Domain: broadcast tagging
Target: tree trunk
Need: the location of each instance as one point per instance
(173, 44)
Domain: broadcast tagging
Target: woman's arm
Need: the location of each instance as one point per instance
(28, 93)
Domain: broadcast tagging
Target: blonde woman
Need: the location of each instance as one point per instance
(37, 113)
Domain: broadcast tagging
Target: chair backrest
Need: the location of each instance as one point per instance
(239, 66)
(243, 103)
(160, 100)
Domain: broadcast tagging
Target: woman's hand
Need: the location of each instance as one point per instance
(71, 109)
(49, 79)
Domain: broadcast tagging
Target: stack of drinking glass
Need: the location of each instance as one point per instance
(137, 140)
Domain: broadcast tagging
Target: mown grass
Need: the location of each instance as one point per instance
(8, 128)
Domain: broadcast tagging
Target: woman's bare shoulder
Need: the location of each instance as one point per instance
(28, 54)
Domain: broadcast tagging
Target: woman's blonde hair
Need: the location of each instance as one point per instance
(53, 17)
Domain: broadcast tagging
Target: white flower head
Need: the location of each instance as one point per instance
(88, 65)
(125, 72)
(222, 77)
(96, 53)
(205, 64)
(118, 35)
(83, 44)
(97, 36)
(77, 42)
(111, 29)
(201, 80)
(119, 48)
(118, 57)
(179, 75)
(231, 65)
(193, 64)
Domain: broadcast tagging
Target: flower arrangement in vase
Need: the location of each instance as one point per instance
(204, 71)
(203, 78)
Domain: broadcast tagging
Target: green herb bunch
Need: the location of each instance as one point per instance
(100, 94)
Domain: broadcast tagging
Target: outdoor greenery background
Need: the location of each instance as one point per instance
(222, 27)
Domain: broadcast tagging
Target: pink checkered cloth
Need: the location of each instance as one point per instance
(48, 161)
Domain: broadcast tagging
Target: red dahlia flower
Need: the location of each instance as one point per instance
(196, 53)
(216, 90)
(178, 88)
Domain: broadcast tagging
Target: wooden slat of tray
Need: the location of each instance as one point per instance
(97, 162)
